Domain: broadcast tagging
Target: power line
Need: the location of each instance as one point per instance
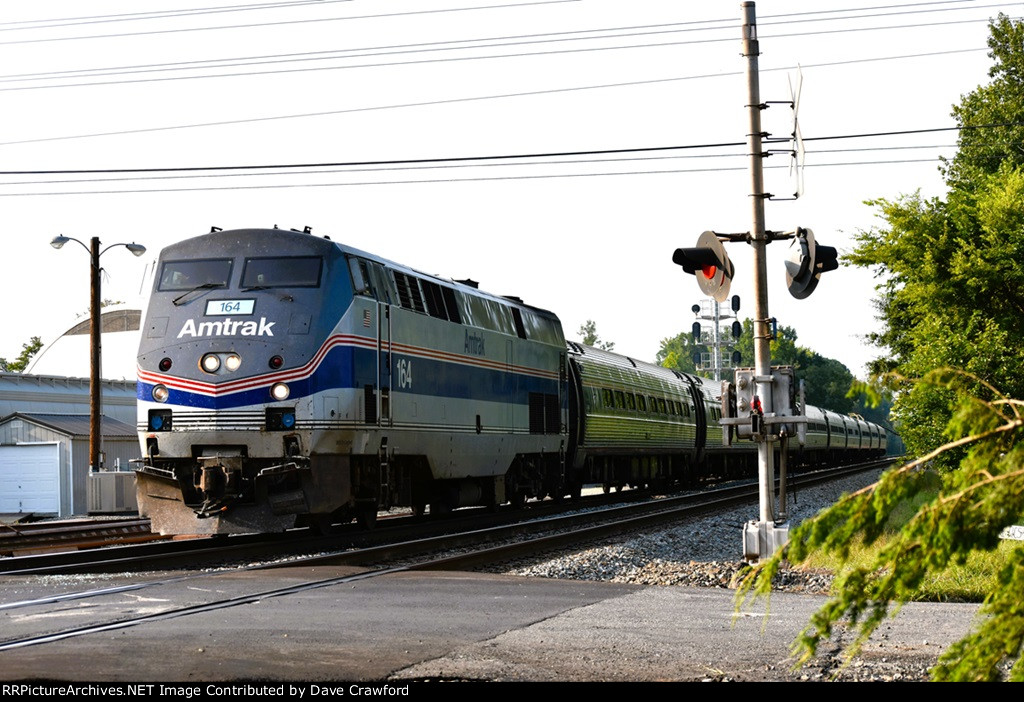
(391, 162)
(155, 14)
(448, 101)
(164, 14)
(280, 71)
(629, 30)
(372, 108)
(502, 157)
(288, 22)
(473, 43)
(262, 173)
(277, 186)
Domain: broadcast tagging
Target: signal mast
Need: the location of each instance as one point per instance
(713, 336)
(761, 404)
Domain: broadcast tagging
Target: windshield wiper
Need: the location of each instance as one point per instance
(177, 300)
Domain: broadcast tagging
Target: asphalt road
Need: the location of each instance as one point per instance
(458, 626)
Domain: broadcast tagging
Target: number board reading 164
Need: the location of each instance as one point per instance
(222, 307)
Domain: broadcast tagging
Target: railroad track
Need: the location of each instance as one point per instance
(463, 551)
(41, 537)
(220, 550)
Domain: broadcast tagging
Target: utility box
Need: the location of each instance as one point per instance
(112, 492)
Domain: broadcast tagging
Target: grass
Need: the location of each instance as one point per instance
(967, 582)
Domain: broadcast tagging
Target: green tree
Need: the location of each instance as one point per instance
(677, 353)
(992, 116)
(19, 364)
(974, 505)
(827, 380)
(588, 335)
(951, 273)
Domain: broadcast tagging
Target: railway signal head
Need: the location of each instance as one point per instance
(806, 262)
(709, 263)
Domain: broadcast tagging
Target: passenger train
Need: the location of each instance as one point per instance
(286, 378)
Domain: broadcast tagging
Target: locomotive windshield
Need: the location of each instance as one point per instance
(191, 274)
(286, 272)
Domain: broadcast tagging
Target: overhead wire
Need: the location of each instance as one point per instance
(156, 14)
(447, 59)
(510, 157)
(334, 171)
(445, 45)
(493, 97)
(276, 186)
(279, 4)
(459, 162)
(180, 30)
(448, 101)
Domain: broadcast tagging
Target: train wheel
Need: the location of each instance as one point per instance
(440, 508)
(321, 524)
(517, 499)
(575, 490)
(366, 517)
(419, 510)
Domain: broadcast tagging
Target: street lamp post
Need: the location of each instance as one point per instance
(95, 403)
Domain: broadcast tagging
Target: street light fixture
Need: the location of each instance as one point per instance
(94, 334)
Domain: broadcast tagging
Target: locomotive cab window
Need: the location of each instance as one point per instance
(360, 276)
(188, 275)
(286, 272)
(368, 278)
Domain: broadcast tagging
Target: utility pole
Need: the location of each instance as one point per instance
(762, 405)
(95, 354)
(764, 529)
(95, 337)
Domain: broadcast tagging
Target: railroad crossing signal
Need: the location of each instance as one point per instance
(709, 263)
(806, 262)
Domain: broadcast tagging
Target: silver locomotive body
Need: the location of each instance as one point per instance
(284, 376)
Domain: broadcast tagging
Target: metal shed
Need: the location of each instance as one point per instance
(44, 463)
(52, 394)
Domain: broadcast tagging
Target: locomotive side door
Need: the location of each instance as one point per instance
(384, 363)
(370, 279)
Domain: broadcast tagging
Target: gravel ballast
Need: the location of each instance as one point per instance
(706, 552)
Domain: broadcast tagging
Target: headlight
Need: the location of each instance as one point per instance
(210, 363)
(160, 393)
(232, 362)
(279, 391)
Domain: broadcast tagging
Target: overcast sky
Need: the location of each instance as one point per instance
(195, 83)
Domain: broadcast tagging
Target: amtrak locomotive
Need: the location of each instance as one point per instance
(285, 378)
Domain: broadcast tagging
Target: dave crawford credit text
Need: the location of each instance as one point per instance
(300, 691)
